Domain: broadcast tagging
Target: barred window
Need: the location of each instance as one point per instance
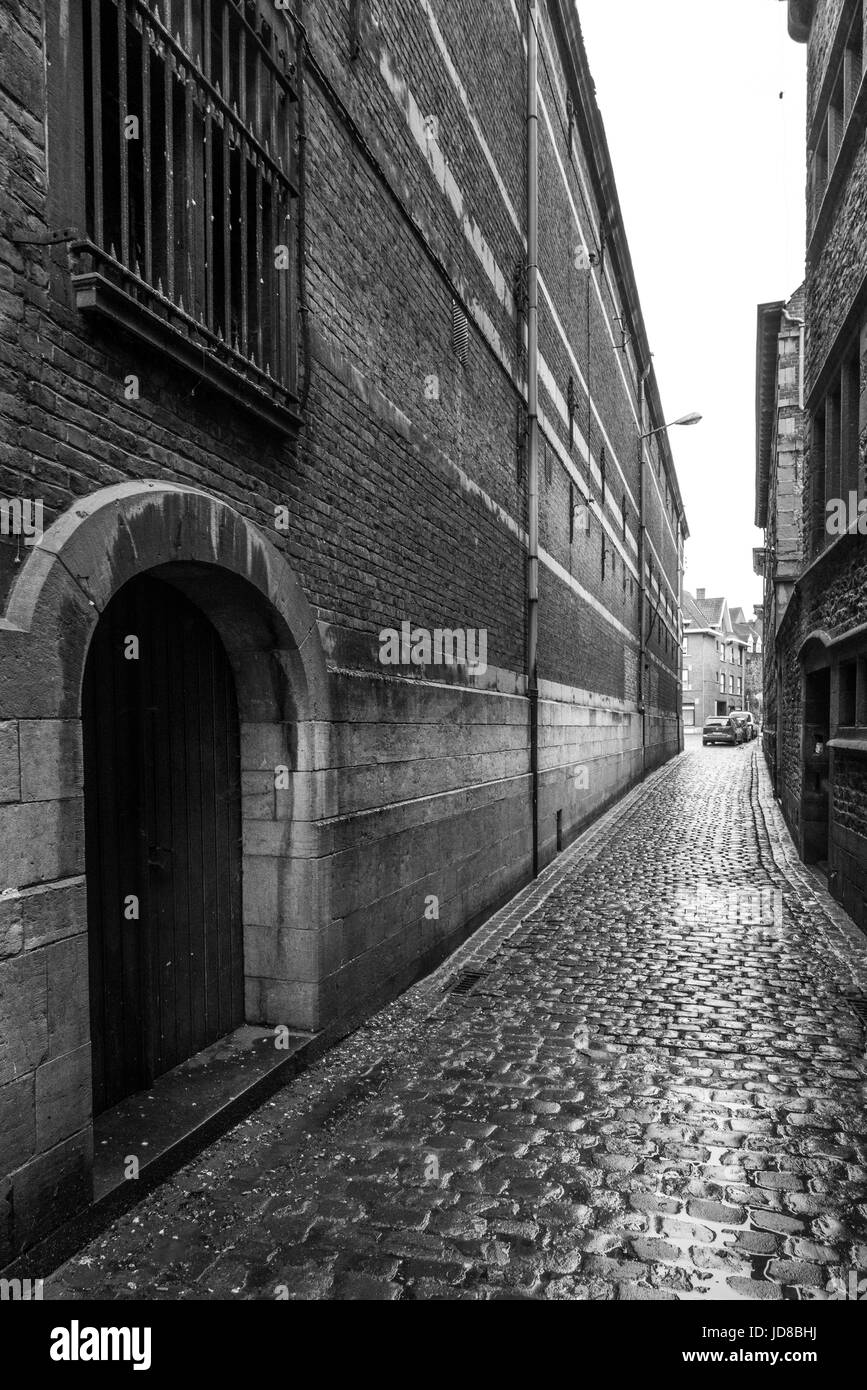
(189, 134)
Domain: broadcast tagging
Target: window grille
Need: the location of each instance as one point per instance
(189, 178)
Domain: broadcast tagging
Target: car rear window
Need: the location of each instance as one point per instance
(715, 719)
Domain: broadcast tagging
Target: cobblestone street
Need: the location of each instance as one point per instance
(643, 1088)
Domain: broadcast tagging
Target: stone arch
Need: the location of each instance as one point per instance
(205, 547)
(814, 651)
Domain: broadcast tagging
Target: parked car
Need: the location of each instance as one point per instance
(748, 724)
(721, 728)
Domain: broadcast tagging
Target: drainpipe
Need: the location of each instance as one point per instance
(642, 599)
(533, 411)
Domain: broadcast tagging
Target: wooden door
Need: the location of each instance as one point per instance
(163, 838)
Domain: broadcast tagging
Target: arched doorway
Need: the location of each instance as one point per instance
(162, 783)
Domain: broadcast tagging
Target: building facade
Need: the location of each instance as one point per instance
(755, 664)
(751, 632)
(275, 547)
(714, 660)
(780, 478)
(821, 638)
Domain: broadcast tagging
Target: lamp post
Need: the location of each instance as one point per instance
(691, 419)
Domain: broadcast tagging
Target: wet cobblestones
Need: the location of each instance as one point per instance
(653, 1091)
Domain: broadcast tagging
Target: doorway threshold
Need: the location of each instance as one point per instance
(151, 1130)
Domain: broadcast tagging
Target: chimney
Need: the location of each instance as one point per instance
(699, 595)
(759, 610)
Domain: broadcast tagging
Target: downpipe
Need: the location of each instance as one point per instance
(533, 412)
(642, 593)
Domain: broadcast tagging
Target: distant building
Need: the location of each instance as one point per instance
(751, 630)
(714, 669)
(780, 446)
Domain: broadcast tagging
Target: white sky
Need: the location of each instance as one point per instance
(710, 168)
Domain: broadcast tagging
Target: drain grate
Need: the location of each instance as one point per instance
(857, 1003)
(465, 982)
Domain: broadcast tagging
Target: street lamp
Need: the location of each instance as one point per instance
(692, 419)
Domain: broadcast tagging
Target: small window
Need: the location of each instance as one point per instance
(848, 678)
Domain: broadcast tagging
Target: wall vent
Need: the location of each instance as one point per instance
(465, 982)
(460, 333)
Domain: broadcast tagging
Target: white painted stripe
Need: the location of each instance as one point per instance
(485, 148)
(552, 65)
(566, 578)
(477, 130)
(442, 172)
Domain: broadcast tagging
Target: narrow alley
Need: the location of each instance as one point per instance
(643, 1079)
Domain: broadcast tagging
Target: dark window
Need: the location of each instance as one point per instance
(848, 679)
(189, 135)
(817, 478)
(850, 393)
(861, 693)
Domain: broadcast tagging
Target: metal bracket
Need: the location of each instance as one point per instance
(521, 297)
(47, 238)
(521, 433)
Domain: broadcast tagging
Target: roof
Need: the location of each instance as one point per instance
(713, 610)
(691, 611)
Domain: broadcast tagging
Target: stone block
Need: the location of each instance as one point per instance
(53, 911)
(64, 1097)
(11, 926)
(17, 1122)
(39, 1196)
(23, 1015)
(51, 759)
(10, 781)
(68, 996)
(272, 1002)
(42, 841)
(283, 954)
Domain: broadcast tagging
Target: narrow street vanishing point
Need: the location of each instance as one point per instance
(643, 1079)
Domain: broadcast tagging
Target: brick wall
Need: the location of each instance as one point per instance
(405, 504)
